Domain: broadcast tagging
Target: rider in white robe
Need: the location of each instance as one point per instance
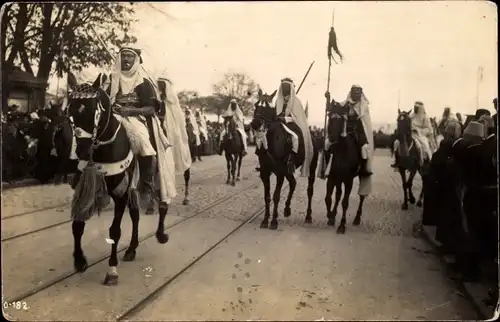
(234, 110)
(175, 126)
(422, 131)
(290, 107)
(190, 117)
(202, 123)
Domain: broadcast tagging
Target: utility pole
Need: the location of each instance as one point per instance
(399, 97)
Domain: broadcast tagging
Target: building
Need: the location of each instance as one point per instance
(25, 90)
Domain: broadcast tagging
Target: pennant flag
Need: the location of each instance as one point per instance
(307, 109)
(480, 73)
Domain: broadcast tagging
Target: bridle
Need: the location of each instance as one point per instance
(80, 133)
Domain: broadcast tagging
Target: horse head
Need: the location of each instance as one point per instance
(264, 113)
(86, 106)
(337, 122)
(404, 127)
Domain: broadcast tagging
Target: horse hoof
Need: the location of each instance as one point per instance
(233, 183)
(264, 224)
(341, 229)
(419, 204)
(129, 256)
(274, 225)
(404, 207)
(412, 200)
(228, 182)
(238, 179)
(357, 221)
(81, 264)
(185, 202)
(161, 237)
(308, 220)
(110, 279)
(331, 222)
(287, 212)
(150, 211)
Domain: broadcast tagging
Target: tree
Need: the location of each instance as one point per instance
(186, 97)
(238, 86)
(59, 36)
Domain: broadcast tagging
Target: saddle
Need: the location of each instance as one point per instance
(294, 128)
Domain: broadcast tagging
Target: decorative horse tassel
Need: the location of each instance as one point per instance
(91, 193)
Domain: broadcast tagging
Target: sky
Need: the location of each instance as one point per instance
(427, 51)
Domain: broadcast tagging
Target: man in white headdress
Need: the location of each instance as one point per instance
(202, 126)
(359, 111)
(175, 125)
(134, 98)
(421, 131)
(234, 110)
(289, 107)
(193, 125)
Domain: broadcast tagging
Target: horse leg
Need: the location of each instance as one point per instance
(266, 180)
(338, 196)
(402, 173)
(134, 240)
(187, 176)
(330, 185)
(345, 205)
(359, 213)
(115, 234)
(228, 165)
(276, 200)
(420, 201)
(233, 169)
(240, 159)
(310, 193)
(292, 184)
(79, 260)
(161, 236)
(409, 186)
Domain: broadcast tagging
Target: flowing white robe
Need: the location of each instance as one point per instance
(239, 119)
(202, 125)
(296, 112)
(196, 129)
(175, 126)
(422, 133)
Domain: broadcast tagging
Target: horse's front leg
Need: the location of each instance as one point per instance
(402, 173)
(233, 169)
(330, 185)
(187, 176)
(266, 180)
(345, 205)
(420, 201)
(79, 260)
(276, 200)
(115, 234)
(161, 235)
(292, 184)
(310, 193)
(228, 166)
(240, 159)
(134, 240)
(359, 213)
(409, 186)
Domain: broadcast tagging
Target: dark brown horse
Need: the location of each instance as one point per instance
(233, 150)
(408, 159)
(103, 143)
(274, 159)
(345, 164)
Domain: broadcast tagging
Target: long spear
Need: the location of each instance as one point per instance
(305, 76)
(332, 43)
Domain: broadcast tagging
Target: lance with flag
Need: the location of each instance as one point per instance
(307, 109)
(332, 44)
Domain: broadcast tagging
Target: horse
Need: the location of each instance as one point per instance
(103, 142)
(233, 150)
(345, 164)
(274, 155)
(408, 159)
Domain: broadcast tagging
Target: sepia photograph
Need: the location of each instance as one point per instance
(241, 160)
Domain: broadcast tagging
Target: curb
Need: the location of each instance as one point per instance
(473, 292)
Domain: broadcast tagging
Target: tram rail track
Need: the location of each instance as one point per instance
(32, 211)
(121, 249)
(201, 181)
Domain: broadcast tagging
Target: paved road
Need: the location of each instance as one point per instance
(219, 266)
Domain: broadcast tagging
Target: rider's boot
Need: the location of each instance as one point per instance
(363, 172)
